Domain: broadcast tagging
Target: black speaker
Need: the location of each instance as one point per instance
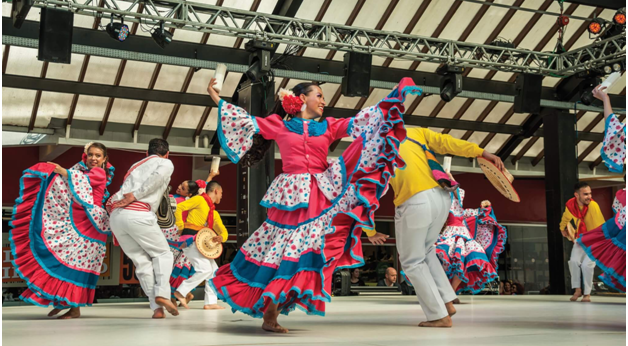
(19, 11)
(55, 35)
(528, 93)
(357, 78)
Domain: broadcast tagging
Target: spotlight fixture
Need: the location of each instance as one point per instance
(595, 26)
(587, 96)
(118, 31)
(620, 17)
(608, 69)
(618, 67)
(161, 36)
(450, 82)
(587, 86)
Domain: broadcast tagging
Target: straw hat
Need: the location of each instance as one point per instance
(206, 246)
(501, 180)
(165, 212)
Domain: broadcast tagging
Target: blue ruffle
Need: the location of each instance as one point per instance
(235, 158)
(314, 128)
(612, 166)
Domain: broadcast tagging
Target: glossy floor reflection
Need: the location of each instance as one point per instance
(362, 320)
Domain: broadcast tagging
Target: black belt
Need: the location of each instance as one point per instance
(189, 231)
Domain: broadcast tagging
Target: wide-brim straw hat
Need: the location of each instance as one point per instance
(501, 180)
(206, 246)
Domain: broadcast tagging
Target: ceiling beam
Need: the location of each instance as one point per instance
(42, 74)
(5, 58)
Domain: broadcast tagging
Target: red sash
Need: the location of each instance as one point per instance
(574, 209)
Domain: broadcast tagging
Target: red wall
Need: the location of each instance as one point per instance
(477, 187)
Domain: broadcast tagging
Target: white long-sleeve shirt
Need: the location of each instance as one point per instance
(147, 180)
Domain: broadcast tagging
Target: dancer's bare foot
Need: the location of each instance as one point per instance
(274, 327)
(159, 313)
(442, 323)
(73, 313)
(586, 298)
(577, 294)
(166, 303)
(456, 301)
(213, 307)
(450, 308)
(182, 301)
(189, 297)
(54, 312)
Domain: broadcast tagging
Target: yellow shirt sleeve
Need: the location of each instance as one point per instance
(565, 220)
(219, 227)
(594, 217)
(185, 206)
(448, 145)
(369, 232)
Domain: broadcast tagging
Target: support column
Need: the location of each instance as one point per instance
(257, 99)
(561, 174)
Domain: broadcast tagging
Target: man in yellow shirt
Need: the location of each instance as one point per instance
(422, 206)
(198, 208)
(586, 216)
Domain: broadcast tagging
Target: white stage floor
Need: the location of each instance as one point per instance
(362, 320)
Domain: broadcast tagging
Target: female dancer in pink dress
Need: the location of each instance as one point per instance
(606, 245)
(470, 244)
(316, 208)
(59, 231)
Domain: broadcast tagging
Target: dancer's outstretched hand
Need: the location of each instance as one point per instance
(212, 92)
(378, 238)
(599, 92)
(128, 199)
(486, 203)
(494, 159)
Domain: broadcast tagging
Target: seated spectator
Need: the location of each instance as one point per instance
(390, 279)
(355, 278)
(505, 288)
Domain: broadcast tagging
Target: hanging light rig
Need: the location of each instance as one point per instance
(118, 31)
(162, 36)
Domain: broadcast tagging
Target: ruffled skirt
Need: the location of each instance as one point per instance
(58, 241)
(606, 245)
(291, 258)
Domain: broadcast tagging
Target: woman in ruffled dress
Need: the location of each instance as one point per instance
(59, 231)
(316, 208)
(470, 244)
(606, 245)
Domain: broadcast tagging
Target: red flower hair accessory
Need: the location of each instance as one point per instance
(201, 186)
(290, 103)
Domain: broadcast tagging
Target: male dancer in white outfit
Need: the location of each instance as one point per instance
(134, 224)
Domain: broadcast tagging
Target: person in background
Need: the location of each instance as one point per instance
(585, 213)
(355, 278)
(390, 279)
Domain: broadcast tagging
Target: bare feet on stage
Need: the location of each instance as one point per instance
(577, 294)
(73, 313)
(213, 307)
(182, 301)
(450, 308)
(167, 304)
(189, 297)
(456, 301)
(159, 313)
(270, 320)
(586, 298)
(54, 312)
(442, 323)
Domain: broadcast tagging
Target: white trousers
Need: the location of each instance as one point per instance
(144, 243)
(418, 223)
(204, 269)
(581, 267)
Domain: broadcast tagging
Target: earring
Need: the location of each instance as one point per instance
(303, 108)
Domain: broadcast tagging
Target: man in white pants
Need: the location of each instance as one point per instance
(422, 209)
(587, 216)
(134, 224)
(204, 268)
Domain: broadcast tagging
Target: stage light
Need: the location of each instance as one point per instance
(595, 26)
(587, 96)
(161, 36)
(608, 69)
(620, 17)
(450, 82)
(617, 67)
(118, 31)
